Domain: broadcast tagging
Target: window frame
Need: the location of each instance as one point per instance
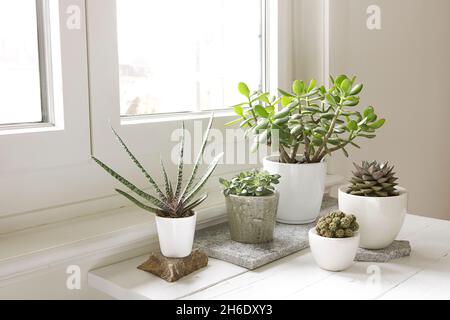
(63, 137)
(52, 166)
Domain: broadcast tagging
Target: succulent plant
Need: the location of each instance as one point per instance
(173, 202)
(337, 225)
(322, 120)
(254, 183)
(373, 179)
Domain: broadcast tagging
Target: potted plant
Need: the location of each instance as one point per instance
(174, 206)
(314, 119)
(375, 199)
(252, 204)
(334, 241)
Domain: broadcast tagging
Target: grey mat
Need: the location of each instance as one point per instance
(398, 249)
(216, 242)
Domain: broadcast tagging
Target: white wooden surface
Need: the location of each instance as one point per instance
(424, 275)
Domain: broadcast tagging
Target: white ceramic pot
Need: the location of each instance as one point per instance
(380, 218)
(333, 254)
(176, 236)
(301, 189)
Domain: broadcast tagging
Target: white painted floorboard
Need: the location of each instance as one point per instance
(424, 275)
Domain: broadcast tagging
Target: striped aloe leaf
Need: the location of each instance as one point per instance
(131, 186)
(180, 166)
(197, 162)
(138, 164)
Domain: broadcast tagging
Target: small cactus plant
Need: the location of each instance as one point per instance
(337, 225)
(373, 179)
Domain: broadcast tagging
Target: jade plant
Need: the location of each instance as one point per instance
(174, 201)
(337, 225)
(316, 119)
(373, 179)
(254, 183)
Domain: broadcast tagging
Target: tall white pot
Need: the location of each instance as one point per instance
(301, 189)
(176, 236)
(380, 218)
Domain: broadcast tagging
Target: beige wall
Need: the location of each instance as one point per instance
(405, 67)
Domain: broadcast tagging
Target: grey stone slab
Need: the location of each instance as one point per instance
(216, 242)
(398, 249)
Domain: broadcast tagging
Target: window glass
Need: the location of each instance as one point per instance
(19, 63)
(187, 56)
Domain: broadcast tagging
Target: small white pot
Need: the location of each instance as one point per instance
(333, 254)
(380, 218)
(301, 189)
(176, 236)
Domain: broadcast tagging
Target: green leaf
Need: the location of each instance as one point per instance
(168, 184)
(260, 111)
(320, 130)
(378, 124)
(346, 86)
(368, 111)
(317, 142)
(352, 125)
(130, 186)
(191, 180)
(356, 89)
(285, 94)
(180, 165)
(282, 113)
(286, 100)
(281, 121)
(243, 89)
(239, 111)
(140, 204)
(298, 87)
(331, 100)
(262, 124)
(233, 122)
(203, 180)
(339, 80)
(312, 85)
(138, 164)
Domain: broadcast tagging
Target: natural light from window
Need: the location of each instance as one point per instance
(187, 56)
(19, 63)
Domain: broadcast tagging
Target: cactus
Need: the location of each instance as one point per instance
(373, 179)
(337, 225)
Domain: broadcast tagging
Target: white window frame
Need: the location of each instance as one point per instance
(51, 165)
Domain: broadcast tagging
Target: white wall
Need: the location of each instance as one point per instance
(405, 68)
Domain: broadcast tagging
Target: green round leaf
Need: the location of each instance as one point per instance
(239, 111)
(298, 87)
(260, 111)
(356, 89)
(378, 124)
(243, 89)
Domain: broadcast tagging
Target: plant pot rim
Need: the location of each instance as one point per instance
(184, 218)
(275, 159)
(314, 233)
(402, 192)
(274, 195)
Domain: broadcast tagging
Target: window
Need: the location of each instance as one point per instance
(187, 56)
(19, 63)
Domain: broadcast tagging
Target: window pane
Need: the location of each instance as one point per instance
(178, 55)
(19, 63)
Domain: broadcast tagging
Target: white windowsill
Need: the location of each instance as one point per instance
(38, 248)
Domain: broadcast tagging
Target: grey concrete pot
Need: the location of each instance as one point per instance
(252, 219)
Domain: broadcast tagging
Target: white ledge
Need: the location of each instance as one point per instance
(38, 248)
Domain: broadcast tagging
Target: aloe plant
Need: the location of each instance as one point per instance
(318, 119)
(173, 201)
